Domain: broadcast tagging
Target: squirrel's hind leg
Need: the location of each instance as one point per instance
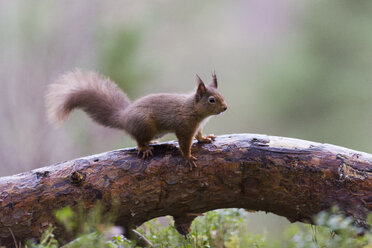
(145, 149)
(143, 144)
(143, 133)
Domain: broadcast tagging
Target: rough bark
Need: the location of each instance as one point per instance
(289, 177)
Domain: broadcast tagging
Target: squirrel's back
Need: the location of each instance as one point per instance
(164, 112)
(99, 97)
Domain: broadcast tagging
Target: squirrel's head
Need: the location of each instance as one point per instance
(208, 100)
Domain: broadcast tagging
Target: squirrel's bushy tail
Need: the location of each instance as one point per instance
(99, 97)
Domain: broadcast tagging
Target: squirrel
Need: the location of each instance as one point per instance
(147, 118)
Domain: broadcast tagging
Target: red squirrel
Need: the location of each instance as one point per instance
(147, 118)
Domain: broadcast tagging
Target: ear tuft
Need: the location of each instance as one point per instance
(214, 80)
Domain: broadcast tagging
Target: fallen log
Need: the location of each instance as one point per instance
(289, 177)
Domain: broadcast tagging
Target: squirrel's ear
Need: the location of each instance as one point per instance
(200, 92)
(214, 80)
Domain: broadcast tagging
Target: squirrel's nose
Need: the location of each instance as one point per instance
(224, 108)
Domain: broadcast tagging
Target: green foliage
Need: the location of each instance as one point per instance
(89, 226)
(118, 53)
(219, 228)
(332, 230)
(47, 240)
(66, 217)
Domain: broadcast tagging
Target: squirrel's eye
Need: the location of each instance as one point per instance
(211, 99)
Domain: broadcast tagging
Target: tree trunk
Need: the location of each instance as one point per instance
(289, 177)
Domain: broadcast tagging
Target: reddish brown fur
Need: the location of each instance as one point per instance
(99, 97)
(145, 119)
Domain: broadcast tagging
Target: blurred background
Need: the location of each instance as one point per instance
(292, 68)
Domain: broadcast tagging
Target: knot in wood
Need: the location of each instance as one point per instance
(42, 174)
(76, 178)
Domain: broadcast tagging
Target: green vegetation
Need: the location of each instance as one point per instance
(117, 50)
(219, 228)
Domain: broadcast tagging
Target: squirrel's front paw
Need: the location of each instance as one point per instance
(191, 162)
(206, 139)
(146, 152)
